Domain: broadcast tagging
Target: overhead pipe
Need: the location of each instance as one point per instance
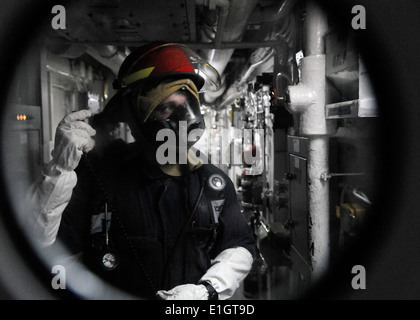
(285, 8)
(278, 40)
(278, 17)
(253, 67)
(108, 55)
(231, 24)
(107, 51)
(223, 7)
(235, 90)
(65, 74)
(272, 13)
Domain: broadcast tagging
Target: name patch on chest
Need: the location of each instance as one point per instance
(217, 206)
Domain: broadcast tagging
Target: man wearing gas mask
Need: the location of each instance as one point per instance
(158, 230)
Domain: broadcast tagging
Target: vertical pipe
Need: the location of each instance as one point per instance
(315, 27)
(318, 204)
(307, 102)
(315, 124)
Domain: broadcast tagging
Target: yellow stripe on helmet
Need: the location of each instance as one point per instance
(135, 76)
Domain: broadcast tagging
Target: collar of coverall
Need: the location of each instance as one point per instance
(145, 106)
(175, 169)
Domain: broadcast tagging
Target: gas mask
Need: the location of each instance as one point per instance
(179, 112)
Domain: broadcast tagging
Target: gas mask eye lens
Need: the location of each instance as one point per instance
(162, 112)
(180, 112)
(180, 106)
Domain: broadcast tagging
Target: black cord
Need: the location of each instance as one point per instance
(120, 223)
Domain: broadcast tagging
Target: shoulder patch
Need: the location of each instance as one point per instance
(217, 182)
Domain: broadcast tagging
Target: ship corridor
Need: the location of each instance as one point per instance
(294, 125)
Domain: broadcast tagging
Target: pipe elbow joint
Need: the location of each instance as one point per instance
(300, 97)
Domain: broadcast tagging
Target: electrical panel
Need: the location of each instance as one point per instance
(299, 221)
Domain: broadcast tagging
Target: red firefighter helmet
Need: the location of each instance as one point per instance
(158, 60)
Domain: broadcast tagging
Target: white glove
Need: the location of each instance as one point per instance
(46, 199)
(72, 138)
(228, 270)
(50, 194)
(185, 292)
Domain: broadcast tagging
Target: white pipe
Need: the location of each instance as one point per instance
(252, 68)
(307, 99)
(319, 204)
(235, 90)
(223, 6)
(316, 26)
(232, 21)
(113, 63)
(307, 103)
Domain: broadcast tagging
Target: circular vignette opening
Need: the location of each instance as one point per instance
(14, 199)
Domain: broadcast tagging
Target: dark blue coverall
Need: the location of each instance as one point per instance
(150, 215)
